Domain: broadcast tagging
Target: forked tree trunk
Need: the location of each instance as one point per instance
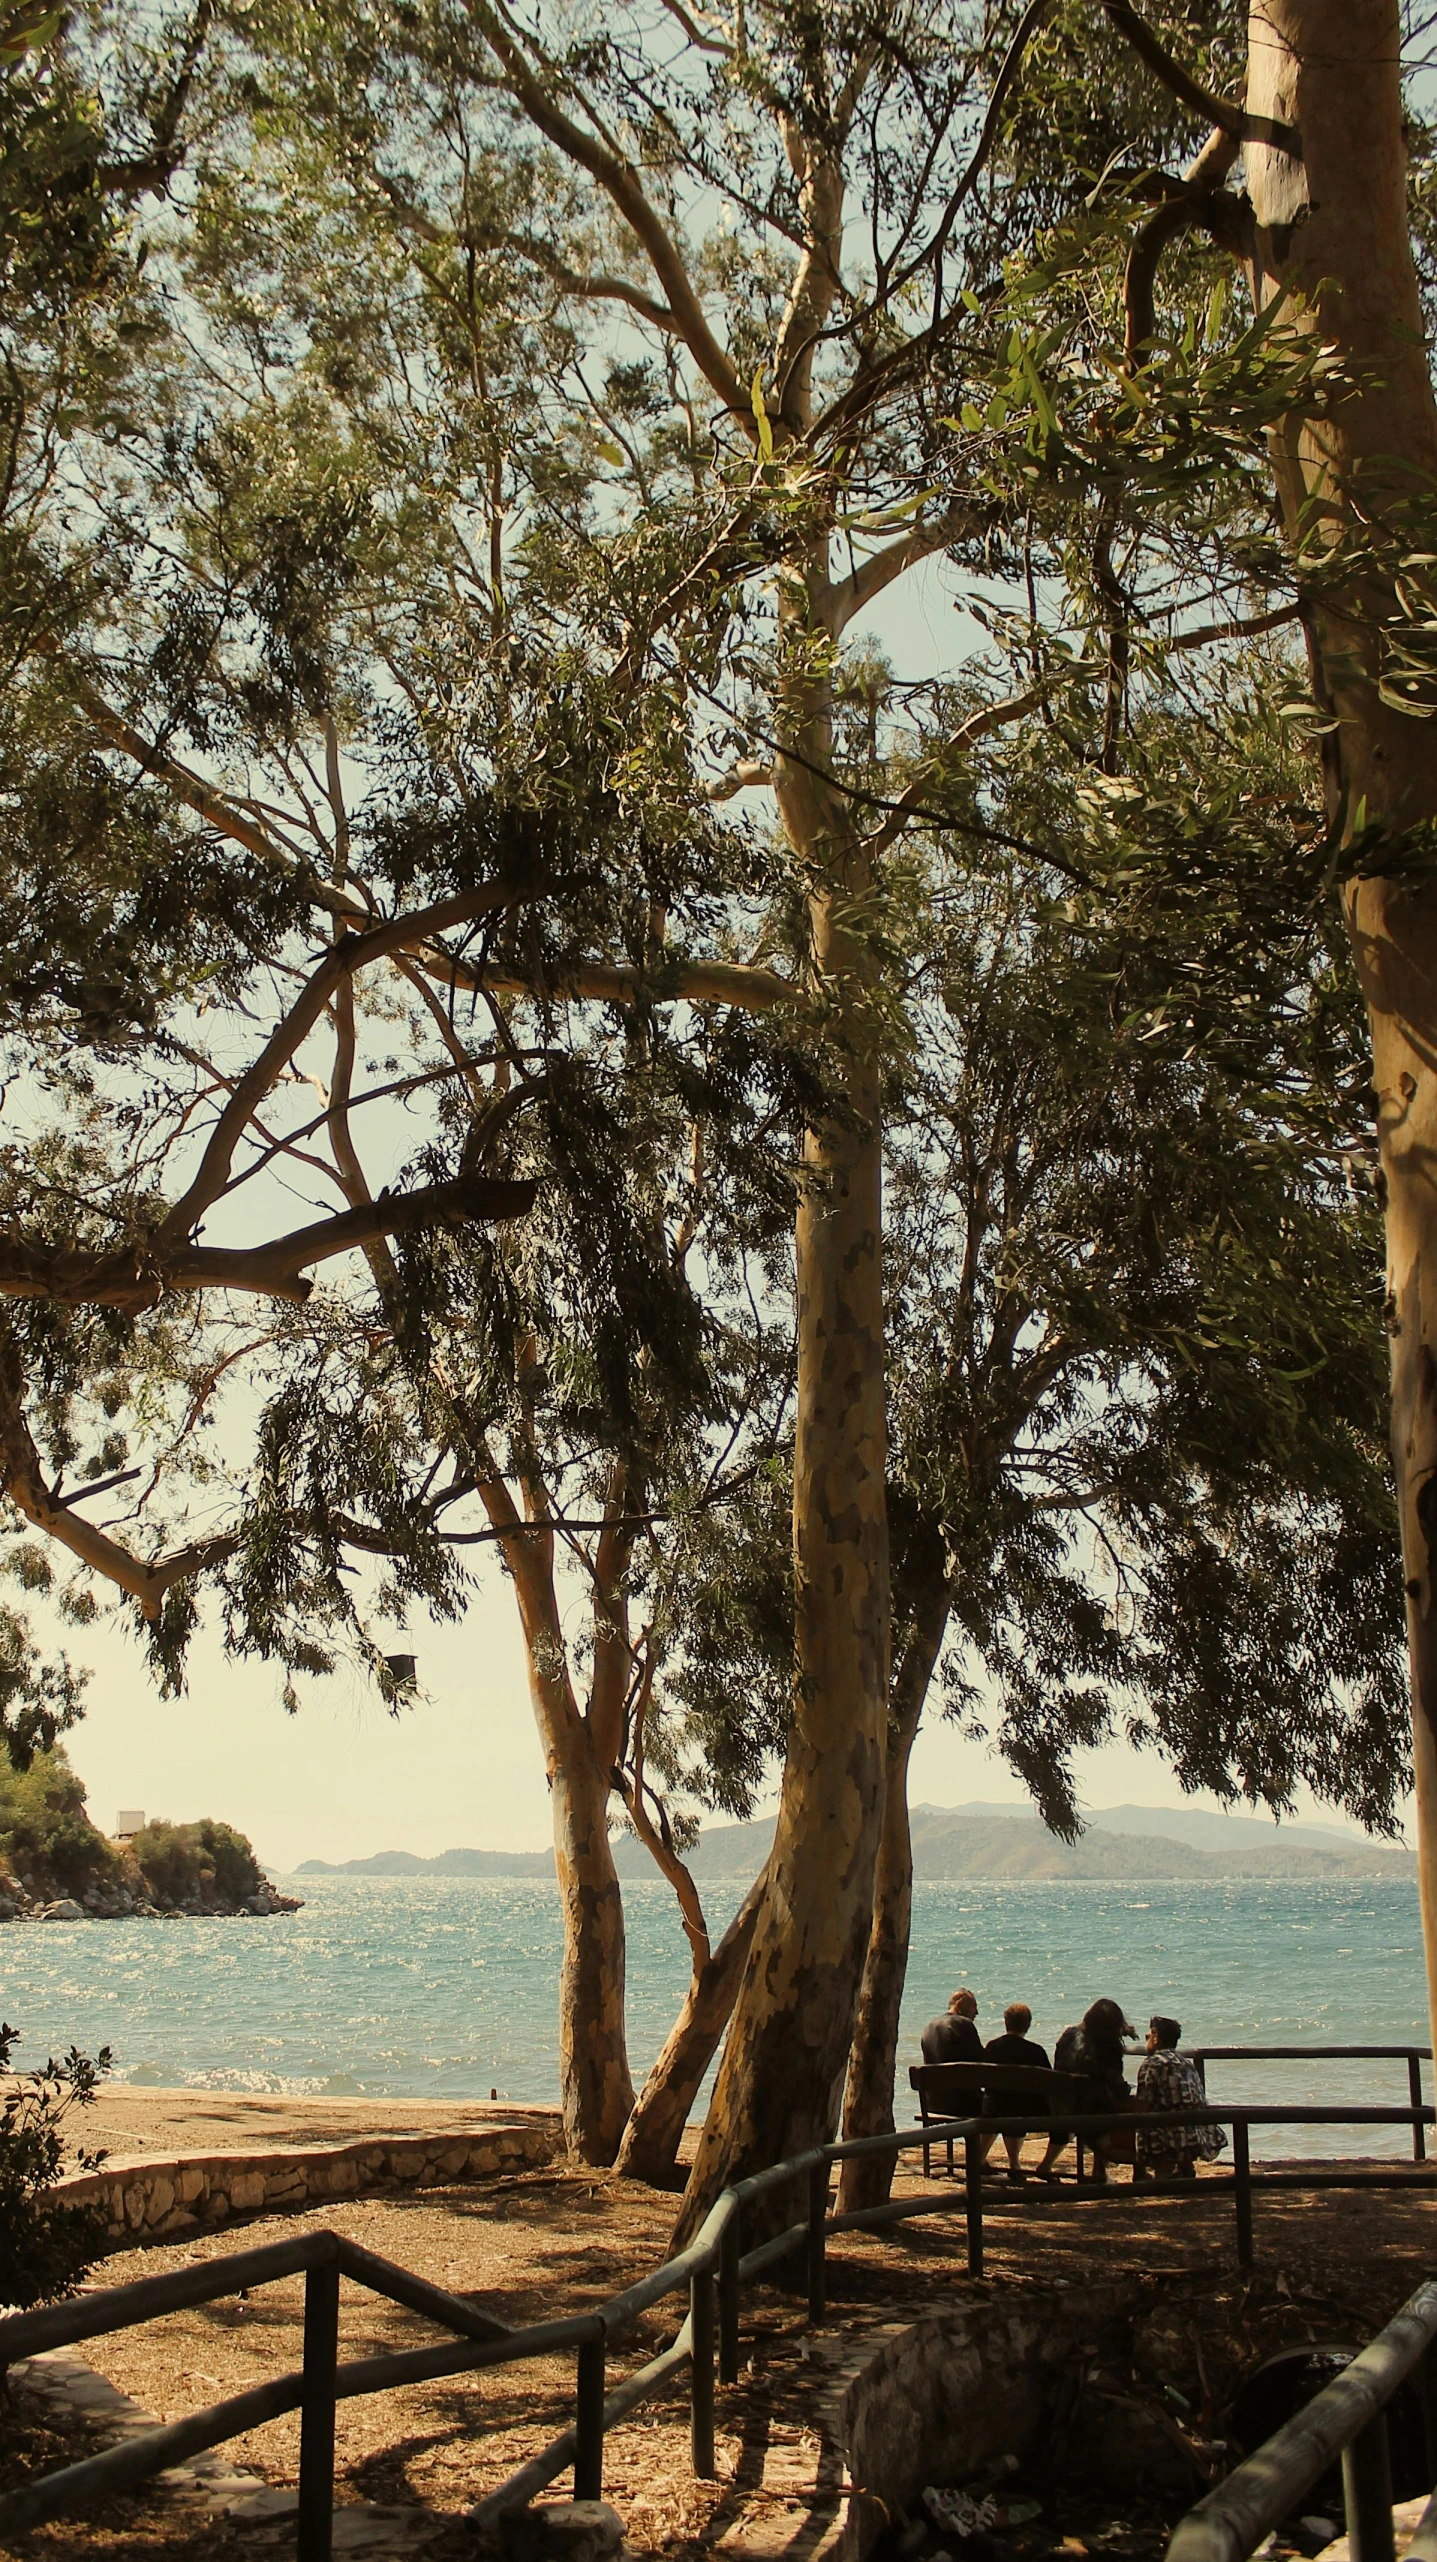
(1334, 214)
(872, 2065)
(661, 2111)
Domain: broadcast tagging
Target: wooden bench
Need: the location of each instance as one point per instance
(959, 2090)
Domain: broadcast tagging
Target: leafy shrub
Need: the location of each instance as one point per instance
(46, 1837)
(46, 2244)
(179, 1858)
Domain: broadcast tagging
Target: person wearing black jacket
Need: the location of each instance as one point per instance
(1015, 2046)
(953, 2039)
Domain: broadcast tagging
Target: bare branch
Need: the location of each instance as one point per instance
(879, 570)
(911, 804)
(146, 1581)
(1218, 111)
(743, 777)
(621, 183)
(352, 952)
(753, 991)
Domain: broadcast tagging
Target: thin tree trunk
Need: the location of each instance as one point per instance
(872, 2064)
(595, 2083)
(661, 2111)
(1334, 213)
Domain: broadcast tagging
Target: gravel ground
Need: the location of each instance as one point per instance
(545, 2242)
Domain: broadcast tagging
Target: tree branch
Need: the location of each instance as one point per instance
(139, 1275)
(351, 952)
(911, 804)
(1152, 50)
(620, 182)
(25, 1484)
(879, 570)
(753, 991)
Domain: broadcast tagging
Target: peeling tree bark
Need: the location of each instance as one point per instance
(872, 2065)
(1335, 215)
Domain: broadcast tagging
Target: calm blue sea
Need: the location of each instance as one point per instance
(443, 1988)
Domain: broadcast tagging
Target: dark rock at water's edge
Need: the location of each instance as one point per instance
(57, 1866)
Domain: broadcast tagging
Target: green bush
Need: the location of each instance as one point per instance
(178, 1858)
(46, 1837)
(46, 2245)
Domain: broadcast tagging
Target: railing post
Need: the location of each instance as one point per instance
(973, 2200)
(589, 2421)
(728, 2282)
(1414, 2093)
(817, 2221)
(701, 2373)
(1367, 2492)
(314, 2540)
(1242, 2194)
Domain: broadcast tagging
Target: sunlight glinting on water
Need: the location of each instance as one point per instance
(444, 1987)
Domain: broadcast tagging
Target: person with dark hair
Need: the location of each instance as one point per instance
(1167, 2079)
(1092, 2052)
(953, 2038)
(1015, 2046)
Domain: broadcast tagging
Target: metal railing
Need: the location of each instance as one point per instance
(1413, 2056)
(712, 2270)
(1347, 2419)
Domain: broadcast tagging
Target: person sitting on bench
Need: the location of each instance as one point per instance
(1167, 2079)
(1092, 2052)
(1015, 2046)
(953, 2039)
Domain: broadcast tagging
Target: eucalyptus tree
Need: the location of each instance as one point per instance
(314, 838)
(1137, 1481)
(1325, 226)
(732, 459)
(1297, 163)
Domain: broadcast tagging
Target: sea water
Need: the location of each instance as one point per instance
(441, 1988)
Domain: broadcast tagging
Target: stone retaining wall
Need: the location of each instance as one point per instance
(146, 2198)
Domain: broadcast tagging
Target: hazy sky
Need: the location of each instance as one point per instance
(462, 1766)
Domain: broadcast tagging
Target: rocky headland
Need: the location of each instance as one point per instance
(57, 1866)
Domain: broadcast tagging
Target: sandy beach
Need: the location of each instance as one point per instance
(128, 2121)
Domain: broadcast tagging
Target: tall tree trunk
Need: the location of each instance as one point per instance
(661, 2111)
(781, 2078)
(595, 2083)
(868, 2096)
(1332, 213)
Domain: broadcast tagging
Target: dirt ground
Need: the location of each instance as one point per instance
(1331, 2263)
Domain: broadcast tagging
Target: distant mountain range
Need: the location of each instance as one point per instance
(956, 1844)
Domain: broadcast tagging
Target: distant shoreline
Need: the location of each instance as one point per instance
(958, 1846)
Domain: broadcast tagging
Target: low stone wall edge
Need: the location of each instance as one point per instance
(151, 2197)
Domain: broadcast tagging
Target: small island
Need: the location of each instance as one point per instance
(56, 1864)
